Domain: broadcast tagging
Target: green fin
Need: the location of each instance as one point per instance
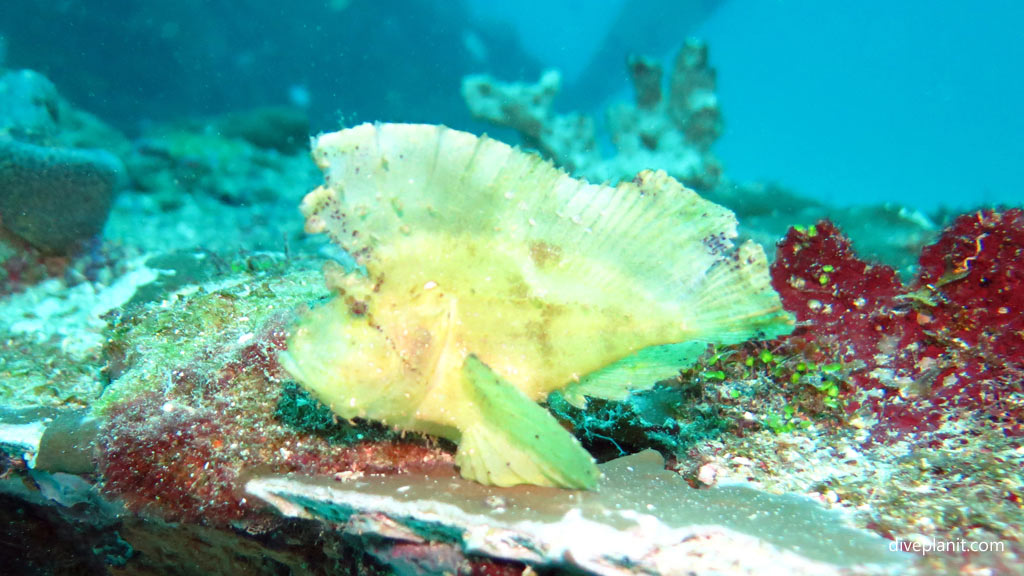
(638, 371)
(736, 301)
(512, 440)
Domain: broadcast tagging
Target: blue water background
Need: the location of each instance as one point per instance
(915, 102)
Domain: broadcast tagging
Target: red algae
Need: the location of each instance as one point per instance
(947, 349)
(168, 460)
(259, 354)
(185, 463)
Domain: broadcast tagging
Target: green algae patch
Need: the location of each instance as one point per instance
(186, 337)
(300, 411)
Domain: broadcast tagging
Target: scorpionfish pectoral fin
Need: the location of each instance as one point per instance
(509, 439)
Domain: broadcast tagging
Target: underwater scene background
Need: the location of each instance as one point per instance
(728, 287)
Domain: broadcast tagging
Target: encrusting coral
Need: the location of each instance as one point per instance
(642, 520)
(493, 278)
(55, 198)
(58, 167)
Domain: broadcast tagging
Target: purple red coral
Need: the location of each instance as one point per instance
(838, 297)
(954, 344)
(981, 291)
(977, 313)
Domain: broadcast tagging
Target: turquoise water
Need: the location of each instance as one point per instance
(913, 102)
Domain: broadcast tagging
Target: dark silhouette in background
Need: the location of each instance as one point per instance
(644, 27)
